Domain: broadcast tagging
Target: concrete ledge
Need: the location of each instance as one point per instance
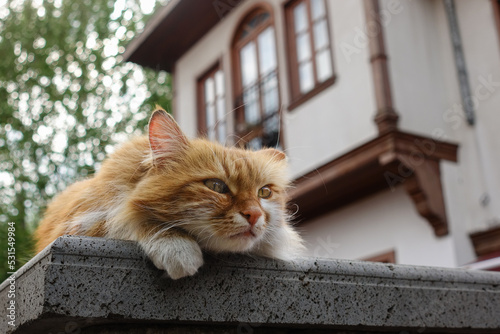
(93, 285)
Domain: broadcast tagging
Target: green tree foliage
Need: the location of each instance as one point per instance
(66, 97)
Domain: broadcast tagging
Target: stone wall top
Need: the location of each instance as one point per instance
(94, 285)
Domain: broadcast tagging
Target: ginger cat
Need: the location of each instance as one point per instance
(176, 196)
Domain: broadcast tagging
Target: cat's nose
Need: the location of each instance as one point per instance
(252, 215)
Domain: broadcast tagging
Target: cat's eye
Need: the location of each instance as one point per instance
(265, 192)
(217, 185)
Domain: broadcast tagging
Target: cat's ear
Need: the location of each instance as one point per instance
(165, 136)
(275, 154)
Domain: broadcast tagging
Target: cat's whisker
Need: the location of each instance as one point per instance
(242, 138)
(213, 151)
(279, 126)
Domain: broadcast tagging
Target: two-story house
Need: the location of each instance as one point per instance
(388, 111)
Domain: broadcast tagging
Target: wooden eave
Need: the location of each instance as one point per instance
(392, 159)
(174, 29)
(486, 242)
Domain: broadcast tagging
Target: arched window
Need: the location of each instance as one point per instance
(257, 102)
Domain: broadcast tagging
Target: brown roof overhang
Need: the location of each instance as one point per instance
(390, 160)
(487, 242)
(174, 29)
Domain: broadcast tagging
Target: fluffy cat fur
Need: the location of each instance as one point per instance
(176, 196)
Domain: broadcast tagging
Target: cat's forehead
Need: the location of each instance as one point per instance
(243, 168)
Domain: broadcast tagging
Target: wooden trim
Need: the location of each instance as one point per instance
(388, 161)
(200, 103)
(386, 117)
(496, 14)
(293, 73)
(316, 90)
(387, 257)
(173, 81)
(422, 188)
(296, 96)
(200, 96)
(486, 242)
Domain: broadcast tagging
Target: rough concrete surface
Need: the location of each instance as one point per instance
(95, 285)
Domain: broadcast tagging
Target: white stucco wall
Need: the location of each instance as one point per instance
(416, 64)
(482, 54)
(427, 97)
(383, 222)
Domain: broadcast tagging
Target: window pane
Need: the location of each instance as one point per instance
(306, 77)
(303, 47)
(210, 109)
(270, 98)
(211, 134)
(323, 65)
(222, 134)
(300, 18)
(257, 20)
(254, 23)
(255, 144)
(271, 131)
(248, 64)
(220, 109)
(221, 118)
(267, 52)
(209, 91)
(251, 102)
(317, 9)
(219, 83)
(320, 34)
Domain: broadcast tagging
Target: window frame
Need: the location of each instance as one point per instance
(296, 96)
(201, 104)
(238, 89)
(496, 14)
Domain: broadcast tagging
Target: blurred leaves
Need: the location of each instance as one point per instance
(66, 97)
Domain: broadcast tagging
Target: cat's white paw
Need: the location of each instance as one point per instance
(179, 257)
